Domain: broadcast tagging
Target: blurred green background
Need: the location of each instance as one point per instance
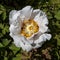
(50, 50)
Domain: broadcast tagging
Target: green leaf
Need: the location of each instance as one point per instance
(1, 45)
(57, 15)
(4, 15)
(14, 48)
(57, 55)
(1, 12)
(57, 24)
(6, 42)
(5, 29)
(54, 1)
(16, 58)
(58, 39)
(58, 42)
(18, 55)
(5, 58)
(58, 5)
(2, 8)
(1, 35)
(49, 15)
(1, 26)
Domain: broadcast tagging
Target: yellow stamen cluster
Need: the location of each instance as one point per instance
(29, 28)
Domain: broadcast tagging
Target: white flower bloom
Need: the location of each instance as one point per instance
(28, 28)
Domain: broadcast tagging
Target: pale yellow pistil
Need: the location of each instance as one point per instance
(29, 28)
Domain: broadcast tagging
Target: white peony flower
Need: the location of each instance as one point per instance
(28, 28)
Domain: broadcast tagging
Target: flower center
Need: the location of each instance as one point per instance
(29, 28)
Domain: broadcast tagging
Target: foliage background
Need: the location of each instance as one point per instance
(50, 50)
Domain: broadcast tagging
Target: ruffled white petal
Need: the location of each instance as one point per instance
(37, 46)
(46, 36)
(30, 41)
(26, 47)
(42, 21)
(26, 12)
(33, 37)
(13, 16)
(43, 38)
(42, 18)
(43, 28)
(20, 41)
(34, 13)
(14, 29)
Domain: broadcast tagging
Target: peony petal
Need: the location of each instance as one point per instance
(34, 13)
(30, 41)
(42, 21)
(43, 38)
(37, 46)
(39, 40)
(14, 29)
(46, 36)
(26, 47)
(20, 41)
(33, 37)
(41, 18)
(26, 12)
(13, 16)
(43, 28)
